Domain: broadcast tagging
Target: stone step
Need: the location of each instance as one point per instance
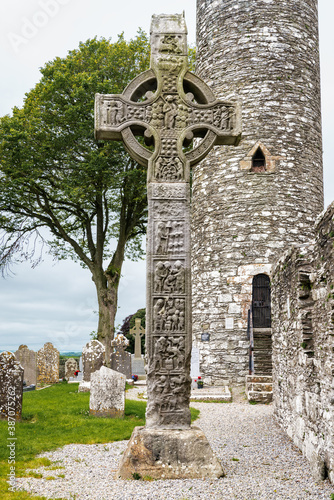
(263, 370)
(259, 388)
(260, 397)
(258, 379)
(262, 355)
(259, 369)
(262, 346)
(264, 364)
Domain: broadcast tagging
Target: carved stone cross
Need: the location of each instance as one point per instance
(137, 331)
(168, 106)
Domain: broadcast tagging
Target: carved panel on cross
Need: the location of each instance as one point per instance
(170, 44)
(170, 392)
(169, 191)
(169, 276)
(169, 237)
(168, 169)
(169, 314)
(169, 354)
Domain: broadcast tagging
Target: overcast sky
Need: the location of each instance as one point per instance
(56, 302)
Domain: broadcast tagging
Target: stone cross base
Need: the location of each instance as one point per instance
(169, 454)
(138, 366)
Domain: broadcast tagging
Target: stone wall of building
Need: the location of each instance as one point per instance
(264, 54)
(303, 346)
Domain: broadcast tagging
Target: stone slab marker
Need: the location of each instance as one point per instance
(48, 364)
(11, 387)
(178, 106)
(107, 393)
(27, 359)
(70, 367)
(93, 356)
(120, 358)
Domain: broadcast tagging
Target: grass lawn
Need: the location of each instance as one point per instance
(56, 416)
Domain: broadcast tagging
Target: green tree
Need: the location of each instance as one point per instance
(90, 196)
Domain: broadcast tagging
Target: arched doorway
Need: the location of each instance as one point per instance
(261, 313)
(261, 301)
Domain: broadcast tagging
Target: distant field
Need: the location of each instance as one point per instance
(71, 354)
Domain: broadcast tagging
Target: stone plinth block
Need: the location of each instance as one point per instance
(84, 386)
(138, 366)
(27, 359)
(48, 364)
(71, 367)
(107, 393)
(169, 454)
(11, 387)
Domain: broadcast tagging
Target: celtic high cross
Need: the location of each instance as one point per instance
(168, 106)
(137, 332)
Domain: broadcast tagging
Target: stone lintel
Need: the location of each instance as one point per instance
(169, 454)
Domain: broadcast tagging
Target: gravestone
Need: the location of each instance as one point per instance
(169, 106)
(11, 387)
(70, 367)
(138, 367)
(27, 359)
(120, 358)
(194, 366)
(107, 393)
(48, 364)
(93, 357)
(62, 362)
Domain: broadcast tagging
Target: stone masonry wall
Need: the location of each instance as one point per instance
(263, 53)
(303, 346)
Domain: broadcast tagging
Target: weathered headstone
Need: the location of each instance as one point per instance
(62, 362)
(194, 369)
(138, 366)
(178, 107)
(27, 359)
(120, 358)
(93, 357)
(48, 364)
(107, 393)
(71, 366)
(11, 387)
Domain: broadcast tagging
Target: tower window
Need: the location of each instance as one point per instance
(258, 161)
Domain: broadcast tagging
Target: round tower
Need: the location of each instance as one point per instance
(252, 201)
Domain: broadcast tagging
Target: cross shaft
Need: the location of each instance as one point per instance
(177, 107)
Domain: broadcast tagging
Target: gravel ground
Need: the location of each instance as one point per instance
(259, 461)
